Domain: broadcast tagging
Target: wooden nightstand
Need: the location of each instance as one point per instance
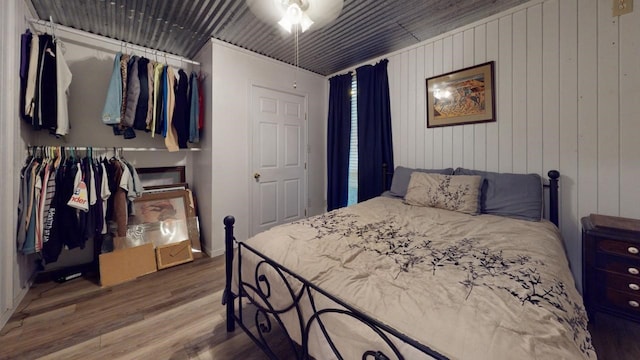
(611, 266)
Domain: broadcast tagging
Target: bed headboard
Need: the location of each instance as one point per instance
(552, 186)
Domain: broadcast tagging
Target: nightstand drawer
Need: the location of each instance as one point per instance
(611, 266)
(623, 301)
(619, 266)
(627, 284)
(618, 247)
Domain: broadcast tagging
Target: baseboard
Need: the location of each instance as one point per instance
(6, 315)
(215, 253)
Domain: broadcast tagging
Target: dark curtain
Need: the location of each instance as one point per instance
(338, 138)
(374, 129)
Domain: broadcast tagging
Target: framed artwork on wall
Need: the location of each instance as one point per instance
(464, 96)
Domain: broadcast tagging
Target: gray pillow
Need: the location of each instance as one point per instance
(402, 175)
(513, 195)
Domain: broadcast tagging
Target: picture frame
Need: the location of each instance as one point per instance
(465, 96)
(164, 218)
(162, 188)
(161, 176)
(173, 254)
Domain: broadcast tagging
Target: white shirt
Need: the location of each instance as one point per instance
(63, 81)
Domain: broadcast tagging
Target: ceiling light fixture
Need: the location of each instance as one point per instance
(295, 15)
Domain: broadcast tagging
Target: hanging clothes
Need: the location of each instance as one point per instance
(119, 204)
(45, 79)
(25, 53)
(22, 203)
(63, 77)
(194, 133)
(156, 98)
(150, 86)
(48, 206)
(124, 74)
(181, 110)
(142, 106)
(46, 113)
(104, 194)
(111, 113)
(63, 201)
(32, 75)
(133, 92)
(200, 102)
(41, 185)
(171, 138)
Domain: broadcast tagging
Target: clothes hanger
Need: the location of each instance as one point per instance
(58, 157)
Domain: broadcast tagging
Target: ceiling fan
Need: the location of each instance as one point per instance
(296, 14)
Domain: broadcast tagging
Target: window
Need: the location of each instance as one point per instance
(353, 145)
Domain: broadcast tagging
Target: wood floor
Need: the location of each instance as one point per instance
(172, 314)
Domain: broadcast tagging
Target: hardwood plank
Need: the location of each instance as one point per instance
(613, 338)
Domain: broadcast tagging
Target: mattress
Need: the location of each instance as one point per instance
(468, 287)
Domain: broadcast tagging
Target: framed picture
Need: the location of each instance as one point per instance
(162, 188)
(162, 218)
(161, 176)
(173, 254)
(461, 97)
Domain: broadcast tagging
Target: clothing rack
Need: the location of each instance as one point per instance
(67, 272)
(55, 27)
(101, 148)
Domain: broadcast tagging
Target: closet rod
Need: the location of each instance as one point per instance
(107, 148)
(109, 40)
(154, 149)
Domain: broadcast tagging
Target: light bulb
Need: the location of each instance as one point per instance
(295, 16)
(294, 13)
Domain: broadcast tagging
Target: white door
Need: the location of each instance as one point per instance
(278, 191)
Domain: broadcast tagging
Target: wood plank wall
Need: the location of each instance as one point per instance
(566, 86)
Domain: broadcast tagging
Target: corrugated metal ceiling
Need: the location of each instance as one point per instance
(365, 29)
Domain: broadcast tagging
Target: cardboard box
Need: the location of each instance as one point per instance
(174, 254)
(127, 264)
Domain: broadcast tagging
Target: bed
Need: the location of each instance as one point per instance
(426, 271)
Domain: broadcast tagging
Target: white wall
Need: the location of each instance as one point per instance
(202, 165)
(15, 269)
(566, 87)
(234, 71)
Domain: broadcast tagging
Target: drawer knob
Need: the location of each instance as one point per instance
(633, 303)
(633, 271)
(634, 287)
(632, 250)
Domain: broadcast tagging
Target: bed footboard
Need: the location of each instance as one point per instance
(228, 296)
(389, 343)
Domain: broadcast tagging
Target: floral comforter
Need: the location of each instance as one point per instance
(468, 287)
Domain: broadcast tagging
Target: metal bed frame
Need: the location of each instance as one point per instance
(267, 316)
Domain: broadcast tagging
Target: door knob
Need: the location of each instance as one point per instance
(256, 176)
